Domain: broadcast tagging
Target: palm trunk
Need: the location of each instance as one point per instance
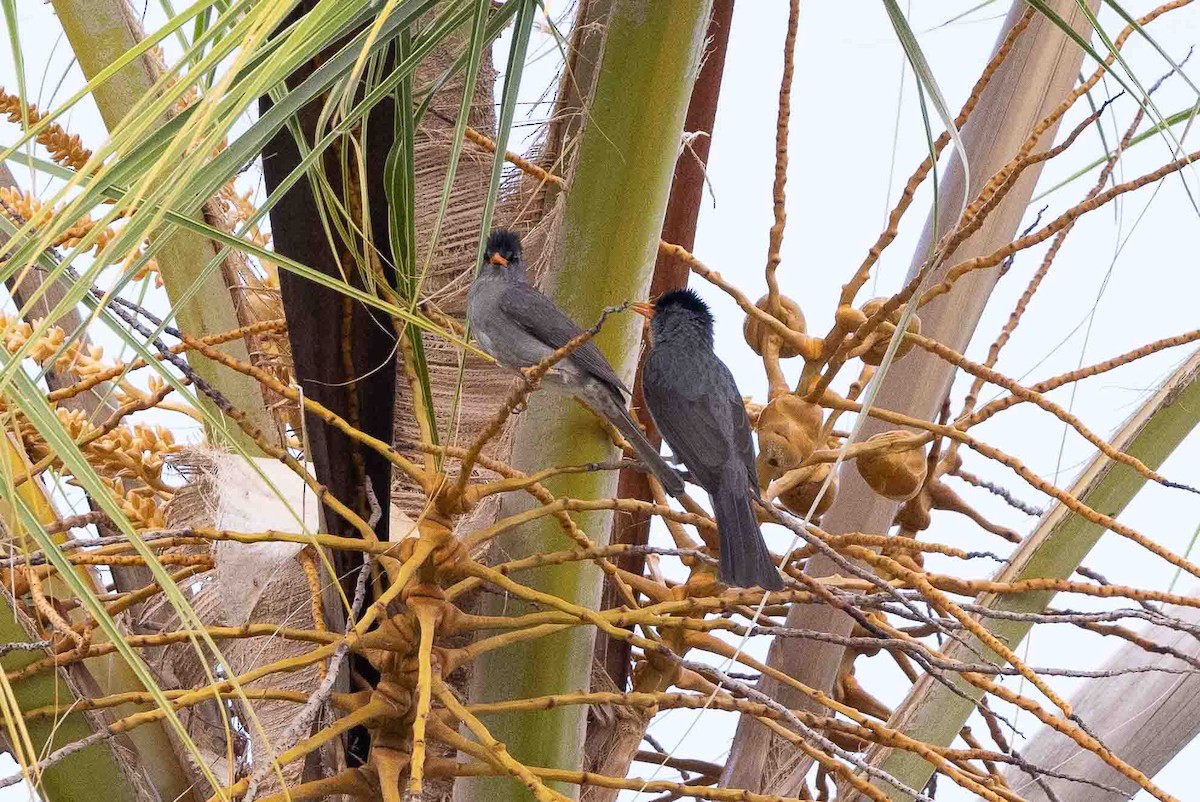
(613, 742)
(612, 219)
(1034, 78)
(679, 227)
(1147, 719)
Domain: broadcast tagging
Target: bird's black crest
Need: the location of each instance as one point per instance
(687, 299)
(505, 242)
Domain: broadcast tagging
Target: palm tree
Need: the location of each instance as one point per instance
(299, 538)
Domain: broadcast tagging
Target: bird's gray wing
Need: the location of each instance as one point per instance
(538, 315)
(693, 404)
(743, 433)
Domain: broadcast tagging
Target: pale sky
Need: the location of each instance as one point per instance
(1117, 283)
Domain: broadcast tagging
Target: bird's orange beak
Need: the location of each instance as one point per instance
(497, 259)
(644, 309)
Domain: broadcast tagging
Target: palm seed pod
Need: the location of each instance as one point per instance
(874, 355)
(788, 429)
(799, 498)
(897, 475)
(756, 333)
(914, 517)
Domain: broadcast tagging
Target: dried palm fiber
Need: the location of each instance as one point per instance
(527, 205)
(262, 583)
(445, 277)
(452, 266)
(445, 284)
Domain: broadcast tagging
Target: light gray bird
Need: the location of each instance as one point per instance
(696, 405)
(520, 327)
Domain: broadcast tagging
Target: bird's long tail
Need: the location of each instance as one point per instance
(616, 413)
(745, 560)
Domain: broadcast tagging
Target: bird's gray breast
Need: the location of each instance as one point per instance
(483, 313)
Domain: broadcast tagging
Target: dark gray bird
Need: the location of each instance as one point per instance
(520, 327)
(696, 405)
